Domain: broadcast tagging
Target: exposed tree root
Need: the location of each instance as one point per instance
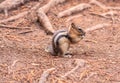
(45, 75)
(38, 13)
(9, 4)
(43, 19)
(74, 9)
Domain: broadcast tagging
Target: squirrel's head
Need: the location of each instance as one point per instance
(75, 32)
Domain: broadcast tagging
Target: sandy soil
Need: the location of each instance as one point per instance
(23, 58)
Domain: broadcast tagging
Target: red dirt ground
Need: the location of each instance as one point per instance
(23, 58)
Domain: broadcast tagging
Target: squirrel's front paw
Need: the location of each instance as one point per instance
(67, 55)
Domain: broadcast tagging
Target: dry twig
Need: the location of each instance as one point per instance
(13, 27)
(14, 17)
(74, 9)
(88, 40)
(91, 75)
(98, 26)
(25, 32)
(10, 68)
(45, 74)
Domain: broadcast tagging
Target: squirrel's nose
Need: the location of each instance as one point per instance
(83, 35)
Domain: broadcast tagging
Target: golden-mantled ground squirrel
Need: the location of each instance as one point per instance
(63, 38)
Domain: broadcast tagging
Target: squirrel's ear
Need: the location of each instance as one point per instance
(71, 28)
(73, 25)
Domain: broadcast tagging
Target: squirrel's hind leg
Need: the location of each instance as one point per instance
(64, 49)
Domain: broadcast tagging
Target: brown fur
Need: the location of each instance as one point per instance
(62, 39)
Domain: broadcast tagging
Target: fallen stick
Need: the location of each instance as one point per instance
(13, 27)
(79, 62)
(10, 68)
(98, 26)
(45, 74)
(88, 40)
(25, 32)
(14, 62)
(10, 4)
(74, 9)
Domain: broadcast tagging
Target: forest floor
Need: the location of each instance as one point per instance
(23, 58)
